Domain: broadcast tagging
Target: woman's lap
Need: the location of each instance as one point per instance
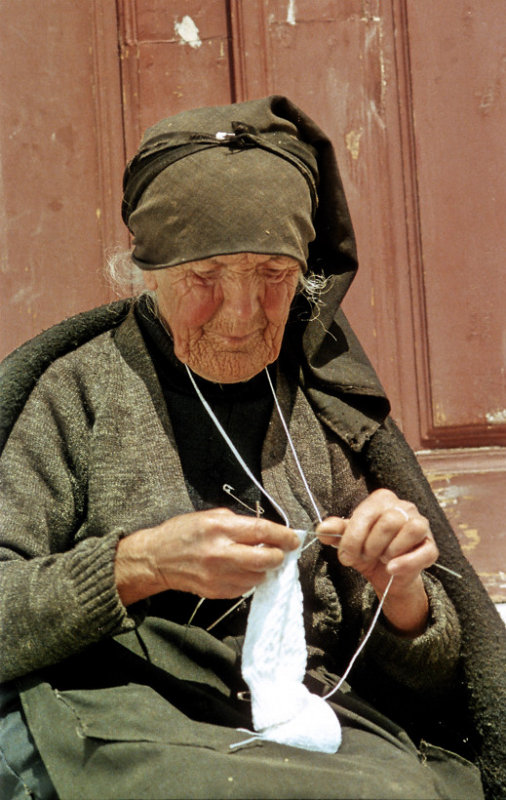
(193, 760)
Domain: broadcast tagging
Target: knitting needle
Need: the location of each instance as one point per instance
(230, 489)
(239, 602)
(436, 564)
(258, 511)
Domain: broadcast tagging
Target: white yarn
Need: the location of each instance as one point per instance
(292, 448)
(274, 664)
(274, 653)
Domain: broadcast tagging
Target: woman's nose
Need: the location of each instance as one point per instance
(241, 299)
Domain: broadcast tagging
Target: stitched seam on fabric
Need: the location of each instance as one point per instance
(81, 726)
(15, 774)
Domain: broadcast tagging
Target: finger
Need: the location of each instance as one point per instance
(387, 529)
(253, 531)
(235, 568)
(418, 559)
(331, 530)
(383, 507)
(351, 546)
(246, 558)
(234, 586)
(411, 535)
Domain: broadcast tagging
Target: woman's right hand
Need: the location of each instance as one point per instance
(213, 554)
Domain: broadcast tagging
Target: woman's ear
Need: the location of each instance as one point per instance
(150, 279)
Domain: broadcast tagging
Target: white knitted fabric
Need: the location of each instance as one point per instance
(274, 663)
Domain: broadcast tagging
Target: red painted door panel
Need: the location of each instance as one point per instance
(60, 139)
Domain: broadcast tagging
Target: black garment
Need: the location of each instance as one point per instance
(243, 409)
(120, 739)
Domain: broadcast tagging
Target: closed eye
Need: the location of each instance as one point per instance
(276, 274)
(205, 277)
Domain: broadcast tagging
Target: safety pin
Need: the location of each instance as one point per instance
(258, 510)
(436, 563)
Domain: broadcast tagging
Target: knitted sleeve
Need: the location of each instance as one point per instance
(57, 579)
(426, 662)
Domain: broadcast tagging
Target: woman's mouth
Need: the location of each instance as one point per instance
(234, 341)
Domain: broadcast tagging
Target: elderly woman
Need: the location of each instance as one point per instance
(166, 463)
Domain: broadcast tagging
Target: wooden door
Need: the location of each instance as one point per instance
(61, 155)
(412, 94)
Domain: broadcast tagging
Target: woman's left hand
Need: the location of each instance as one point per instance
(387, 536)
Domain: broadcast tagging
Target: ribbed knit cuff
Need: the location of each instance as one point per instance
(428, 660)
(92, 571)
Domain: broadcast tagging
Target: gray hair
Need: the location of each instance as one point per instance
(126, 278)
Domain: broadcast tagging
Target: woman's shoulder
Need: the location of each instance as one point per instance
(59, 357)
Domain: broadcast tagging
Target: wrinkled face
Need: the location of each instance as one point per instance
(227, 314)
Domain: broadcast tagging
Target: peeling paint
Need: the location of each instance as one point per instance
(472, 536)
(26, 295)
(448, 495)
(188, 32)
(352, 140)
(440, 417)
(374, 38)
(290, 14)
(368, 11)
(383, 71)
(495, 585)
(496, 417)
(488, 99)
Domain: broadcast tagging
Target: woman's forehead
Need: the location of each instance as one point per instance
(246, 259)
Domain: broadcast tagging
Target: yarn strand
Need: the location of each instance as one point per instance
(234, 450)
(362, 643)
(292, 448)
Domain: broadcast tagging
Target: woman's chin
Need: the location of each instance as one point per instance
(230, 368)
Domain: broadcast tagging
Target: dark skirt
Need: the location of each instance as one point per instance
(153, 715)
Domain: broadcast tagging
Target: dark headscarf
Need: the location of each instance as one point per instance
(228, 196)
(285, 156)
